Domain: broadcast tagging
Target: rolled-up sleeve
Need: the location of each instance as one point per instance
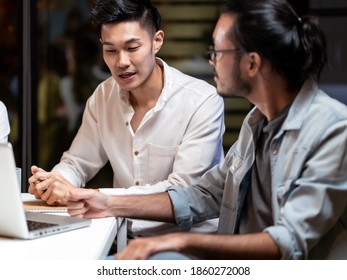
(183, 215)
(285, 241)
(315, 201)
(199, 202)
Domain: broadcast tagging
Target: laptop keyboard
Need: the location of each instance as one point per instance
(33, 225)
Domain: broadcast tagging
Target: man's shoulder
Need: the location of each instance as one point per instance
(191, 84)
(330, 106)
(104, 92)
(106, 86)
(321, 114)
(180, 78)
(108, 82)
(2, 106)
(312, 105)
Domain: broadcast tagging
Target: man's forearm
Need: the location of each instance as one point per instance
(246, 246)
(156, 207)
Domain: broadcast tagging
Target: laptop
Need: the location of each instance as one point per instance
(14, 221)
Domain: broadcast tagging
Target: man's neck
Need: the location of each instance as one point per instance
(272, 97)
(147, 95)
(145, 98)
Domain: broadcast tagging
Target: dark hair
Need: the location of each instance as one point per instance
(115, 11)
(294, 46)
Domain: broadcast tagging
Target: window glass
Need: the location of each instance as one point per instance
(70, 67)
(10, 68)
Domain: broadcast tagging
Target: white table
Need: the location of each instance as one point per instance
(89, 243)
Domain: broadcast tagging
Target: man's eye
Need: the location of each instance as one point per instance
(133, 49)
(110, 51)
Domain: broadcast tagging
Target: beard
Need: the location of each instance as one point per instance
(236, 86)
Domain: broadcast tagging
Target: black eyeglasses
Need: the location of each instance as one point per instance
(216, 55)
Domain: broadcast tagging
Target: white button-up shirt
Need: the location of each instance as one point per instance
(175, 144)
(4, 124)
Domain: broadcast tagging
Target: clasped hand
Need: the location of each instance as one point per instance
(51, 187)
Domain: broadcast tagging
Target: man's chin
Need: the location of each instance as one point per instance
(226, 94)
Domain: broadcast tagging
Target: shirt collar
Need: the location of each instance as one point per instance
(296, 113)
(299, 107)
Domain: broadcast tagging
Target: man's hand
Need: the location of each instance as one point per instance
(49, 186)
(88, 203)
(143, 248)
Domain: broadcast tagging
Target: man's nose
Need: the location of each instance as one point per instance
(122, 59)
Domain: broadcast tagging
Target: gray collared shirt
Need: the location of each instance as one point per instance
(309, 180)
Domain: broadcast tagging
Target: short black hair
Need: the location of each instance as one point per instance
(115, 11)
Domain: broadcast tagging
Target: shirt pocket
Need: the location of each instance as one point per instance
(289, 171)
(160, 162)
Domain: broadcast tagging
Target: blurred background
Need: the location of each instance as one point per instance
(50, 63)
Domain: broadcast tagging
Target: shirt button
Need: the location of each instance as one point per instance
(137, 183)
(127, 123)
(136, 153)
(274, 152)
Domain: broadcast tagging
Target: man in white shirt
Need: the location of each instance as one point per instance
(155, 125)
(4, 124)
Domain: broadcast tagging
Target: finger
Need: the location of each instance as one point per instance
(41, 176)
(77, 211)
(76, 205)
(45, 195)
(32, 180)
(80, 194)
(42, 187)
(135, 254)
(31, 189)
(54, 191)
(35, 169)
(52, 199)
(36, 186)
(61, 201)
(136, 250)
(35, 193)
(59, 192)
(37, 177)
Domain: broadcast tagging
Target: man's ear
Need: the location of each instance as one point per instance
(254, 63)
(158, 40)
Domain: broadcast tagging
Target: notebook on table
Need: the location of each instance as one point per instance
(14, 220)
(36, 205)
